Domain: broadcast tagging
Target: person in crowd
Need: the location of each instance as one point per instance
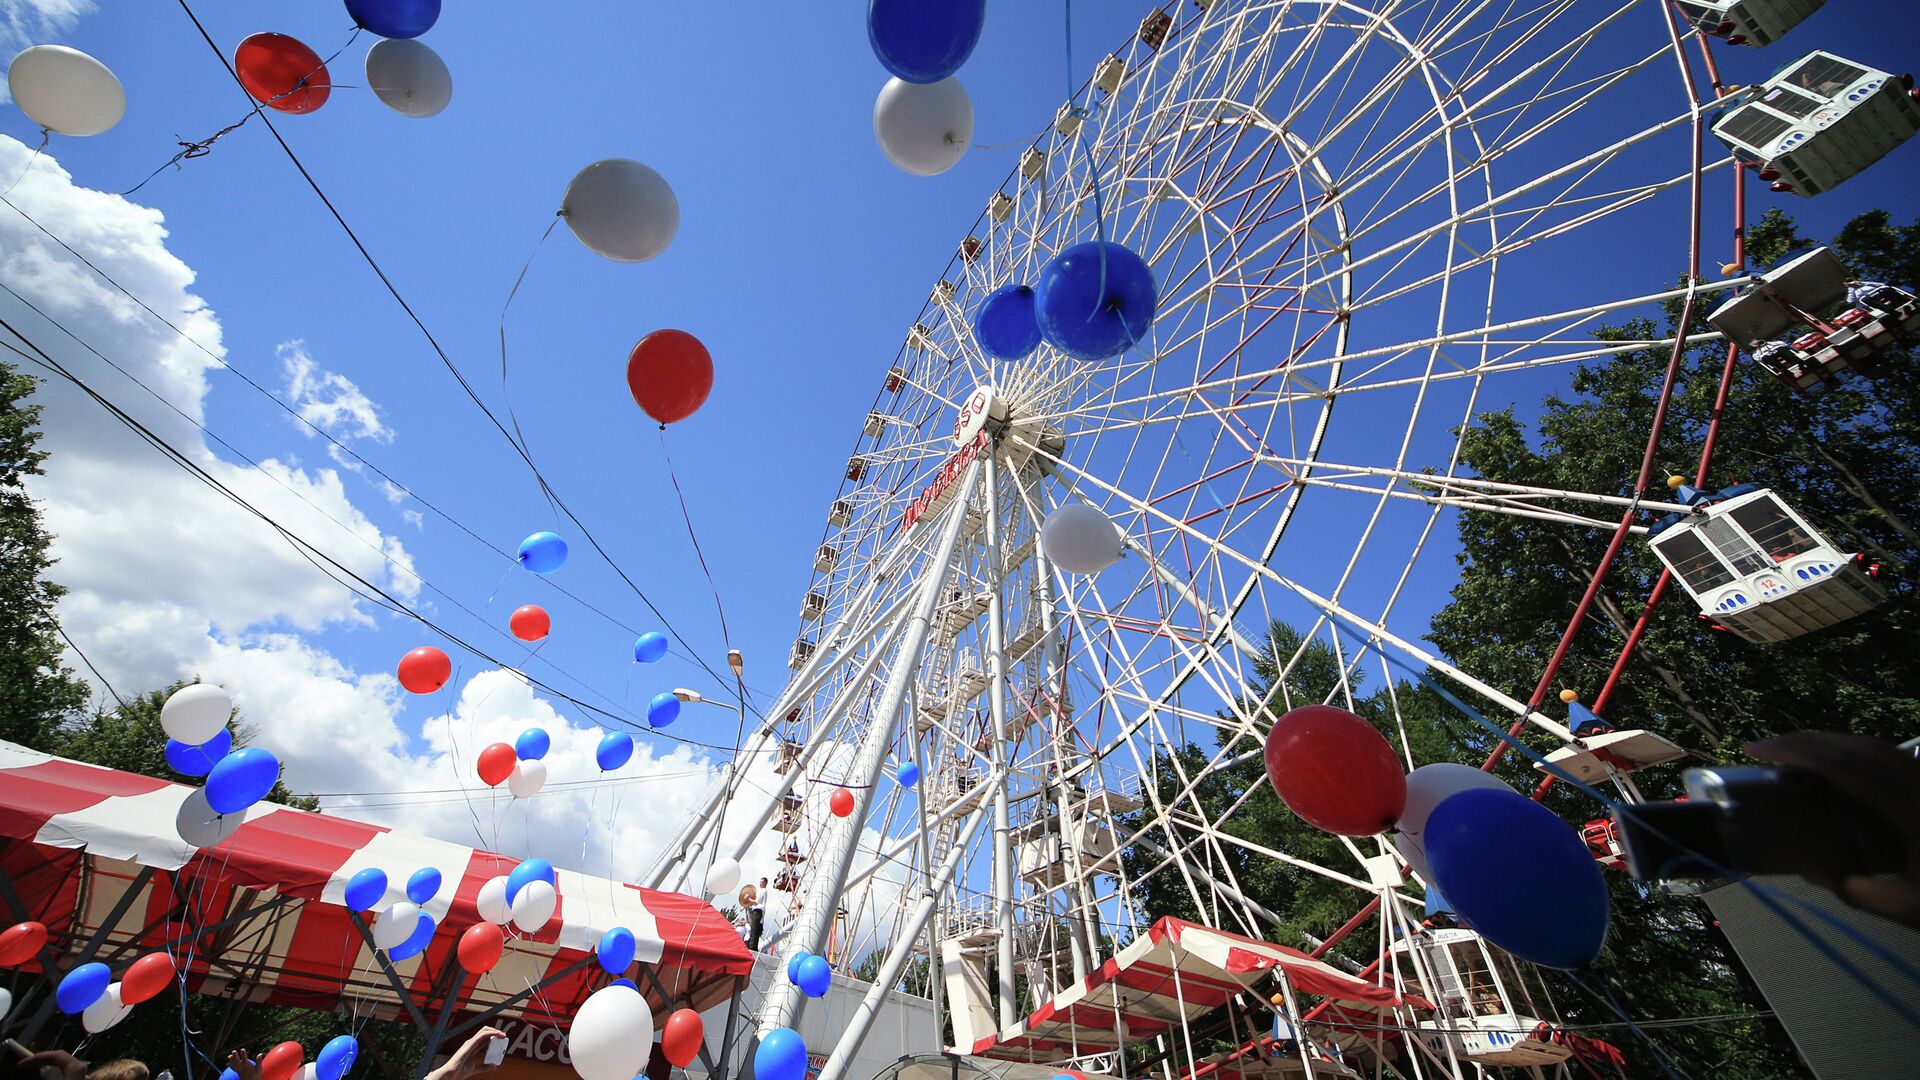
(756, 914)
(743, 912)
(60, 1065)
(1874, 295)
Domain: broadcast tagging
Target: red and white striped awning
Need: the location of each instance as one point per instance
(1173, 974)
(76, 839)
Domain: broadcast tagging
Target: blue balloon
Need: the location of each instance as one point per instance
(1520, 875)
(241, 779)
(366, 889)
(394, 19)
(529, 871)
(543, 552)
(189, 760)
(924, 41)
(628, 983)
(615, 750)
(663, 709)
(616, 950)
(424, 885)
(82, 987)
(416, 942)
(793, 966)
(649, 647)
(1084, 319)
(335, 1058)
(782, 1055)
(532, 745)
(1006, 325)
(229, 1074)
(908, 774)
(815, 976)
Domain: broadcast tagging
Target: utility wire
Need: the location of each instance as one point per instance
(447, 361)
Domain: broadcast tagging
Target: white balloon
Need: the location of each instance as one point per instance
(533, 905)
(396, 924)
(409, 77)
(193, 714)
(622, 209)
(527, 778)
(309, 1071)
(105, 1012)
(1080, 539)
(1427, 786)
(198, 824)
(612, 1035)
(722, 876)
(6, 1002)
(492, 901)
(924, 128)
(67, 91)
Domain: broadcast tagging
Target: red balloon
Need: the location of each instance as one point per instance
(670, 374)
(529, 622)
(20, 942)
(1336, 771)
(282, 73)
(425, 670)
(480, 946)
(496, 764)
(147, 977)
(281, 1062)
(842, 803)
(680, 1040)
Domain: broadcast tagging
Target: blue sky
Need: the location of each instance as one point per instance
(801, 258)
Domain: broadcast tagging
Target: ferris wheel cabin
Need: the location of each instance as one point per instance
(1747, 22)
(1819, 122)
(1779, 318)
(1759, 570)
(1483, 1001)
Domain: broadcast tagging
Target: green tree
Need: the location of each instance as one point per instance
(37, 692)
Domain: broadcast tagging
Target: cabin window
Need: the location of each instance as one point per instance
(1769, 525)
(1753, 126)
(1693, 562)
(1791, 102)
(1824, 76)
(1734, 548)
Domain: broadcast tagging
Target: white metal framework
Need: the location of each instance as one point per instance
(1364, 218)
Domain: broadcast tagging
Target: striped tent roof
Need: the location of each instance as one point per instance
(260, 913)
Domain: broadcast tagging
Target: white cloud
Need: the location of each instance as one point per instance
(35, 22)
(329, 401)
(140, 541)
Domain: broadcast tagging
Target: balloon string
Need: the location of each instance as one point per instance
(190, 150)
(46, 134)
(725, 638)
(1085, 114)
(507, 393)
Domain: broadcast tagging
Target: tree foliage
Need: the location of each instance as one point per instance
(36, 689)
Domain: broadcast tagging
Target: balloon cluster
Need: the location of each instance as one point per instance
(89, 991)
(195, 718)
(525, 896)
(518, 764)
(923, 118)
(286, 1061)
(1507, 866)
(400, 928)
(285, 74)
(1094, 300)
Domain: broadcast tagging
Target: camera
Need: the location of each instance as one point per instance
(1756, 820)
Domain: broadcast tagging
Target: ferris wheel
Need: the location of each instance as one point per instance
(1368, 221)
